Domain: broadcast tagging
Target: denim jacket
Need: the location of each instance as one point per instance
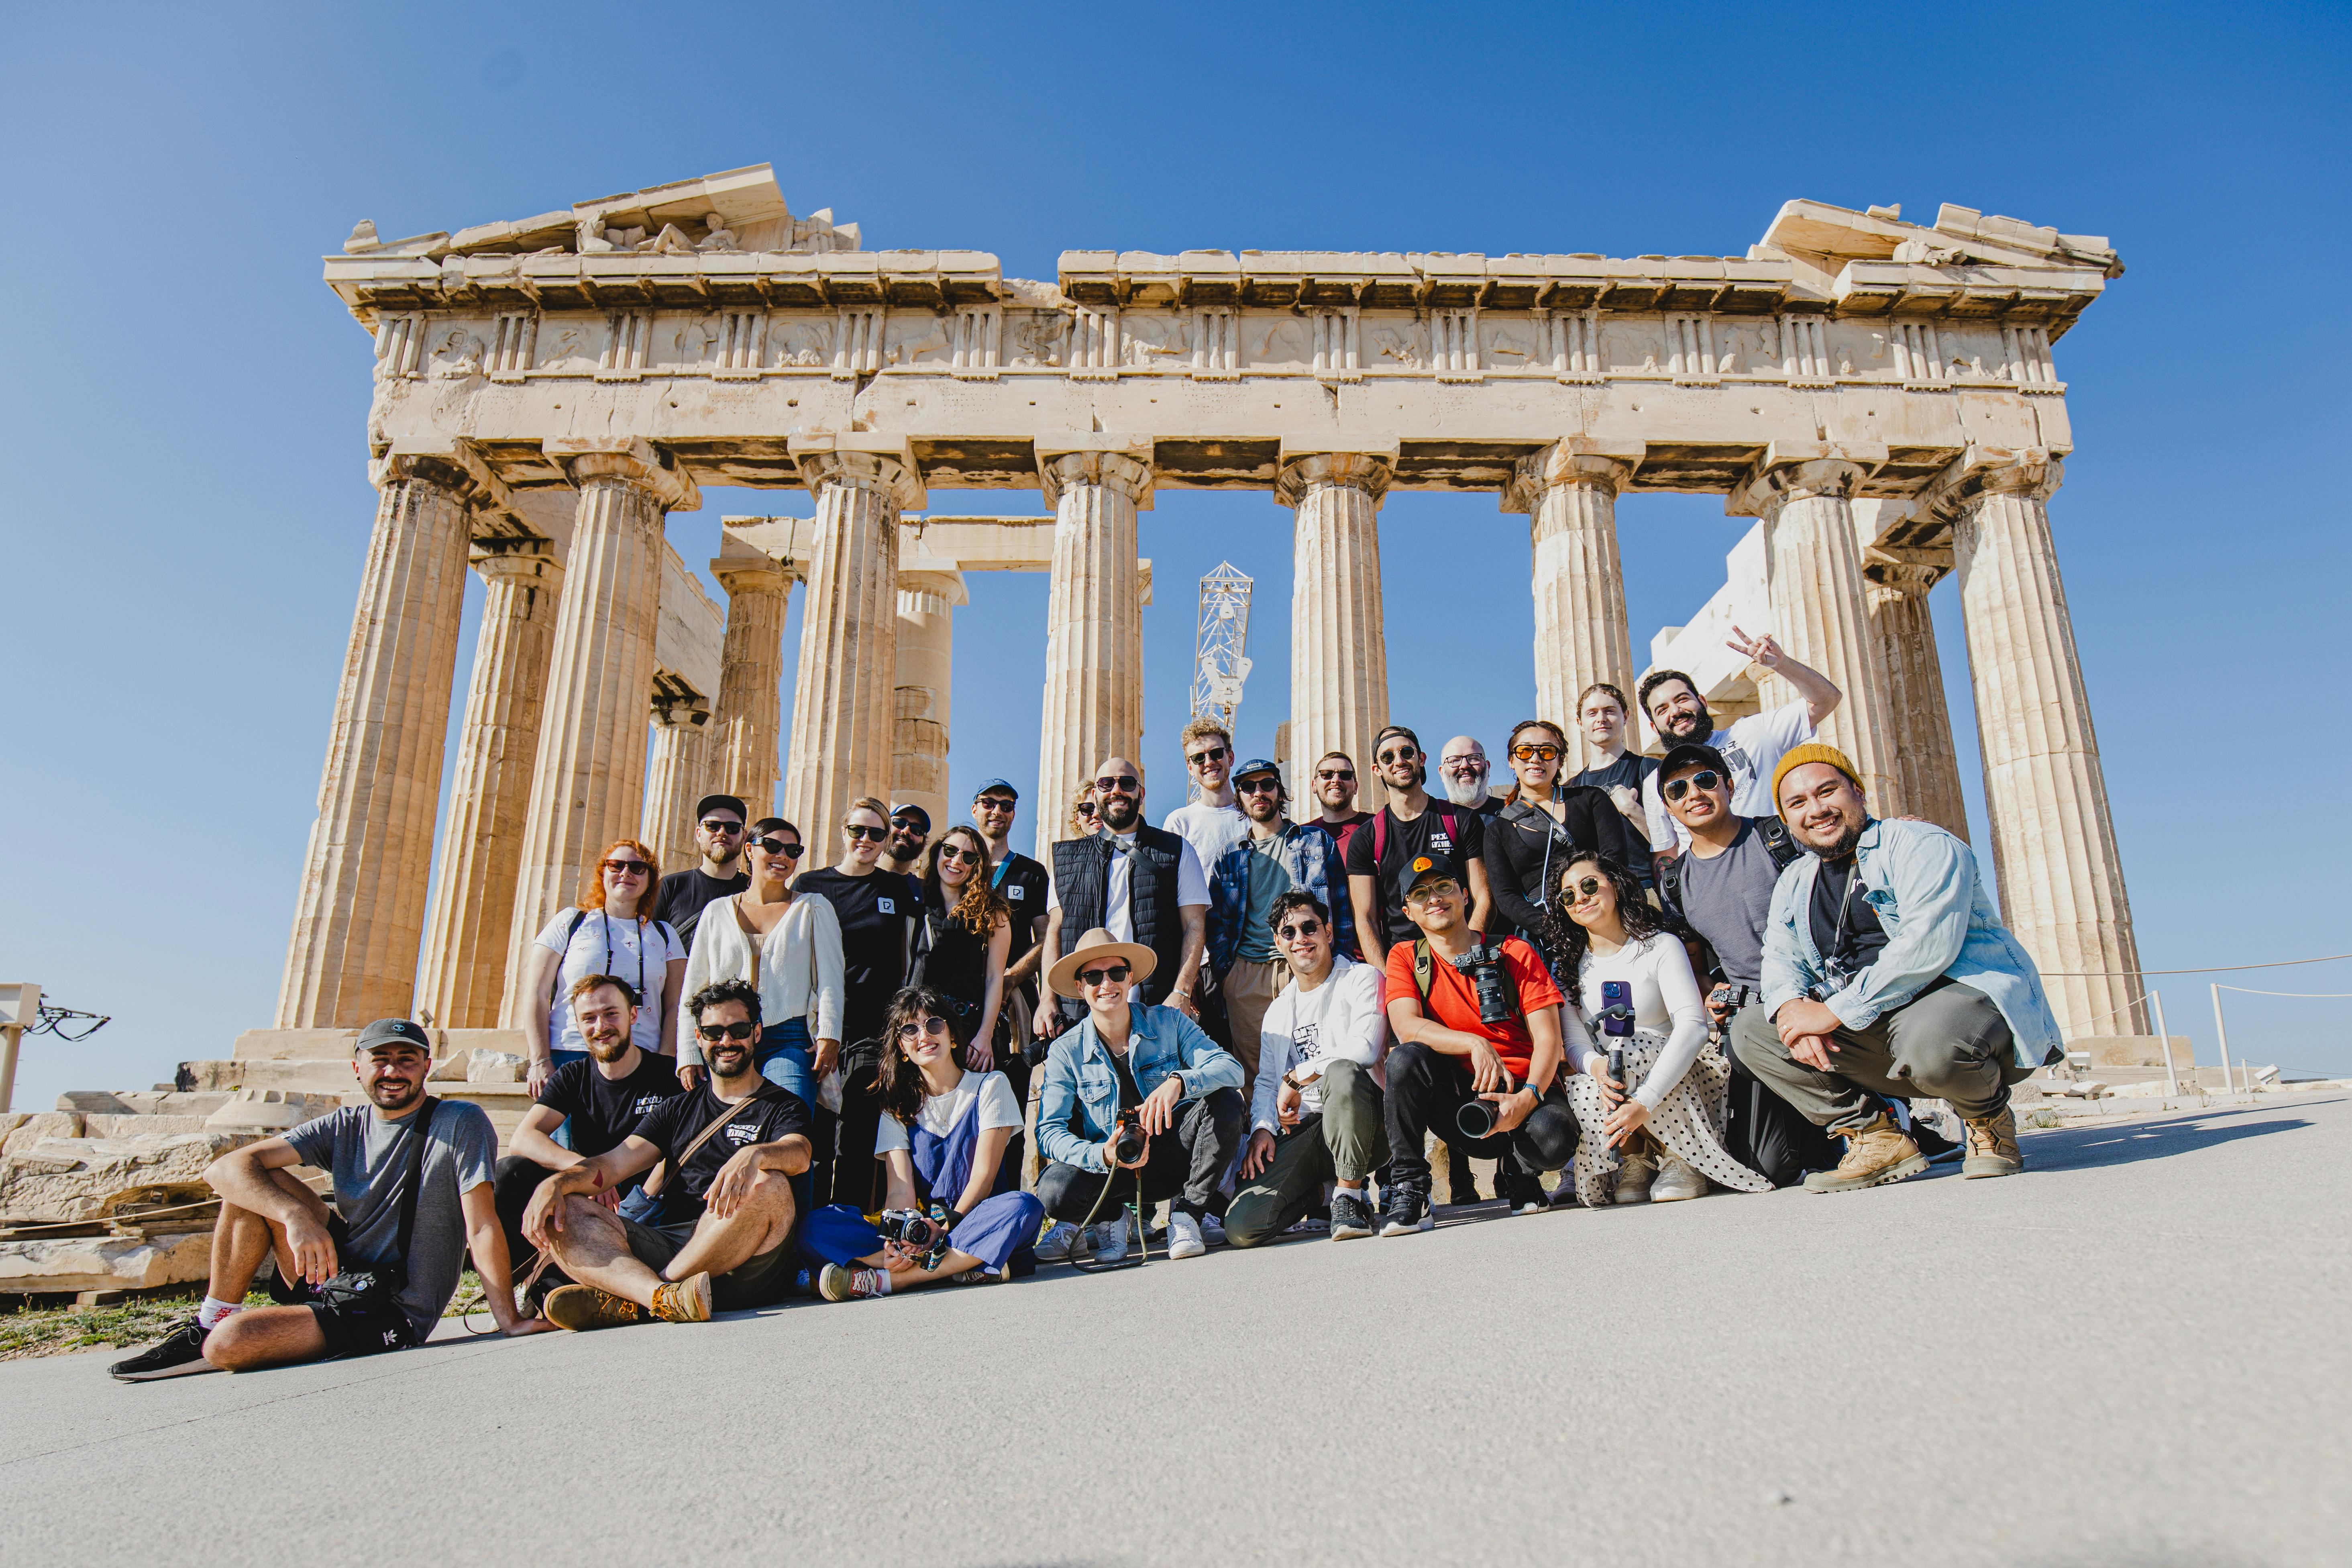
(1923, 884)
(1313, 862)
(1160, 1041)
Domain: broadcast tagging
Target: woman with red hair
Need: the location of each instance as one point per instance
(610, 931)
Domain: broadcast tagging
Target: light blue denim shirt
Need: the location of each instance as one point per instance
(1924, 886)
(1160, 1041)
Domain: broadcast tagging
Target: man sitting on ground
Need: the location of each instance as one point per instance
(1886, 973)
(1318, 1114)
(412, 1185)
(729, 1151)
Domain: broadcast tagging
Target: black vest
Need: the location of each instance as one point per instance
(1082, 880)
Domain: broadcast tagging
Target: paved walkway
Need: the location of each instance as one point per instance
(2137, 1353)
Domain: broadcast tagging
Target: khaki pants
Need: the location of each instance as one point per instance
(1249, 989)
(1949, 1042)
(1346, 1141)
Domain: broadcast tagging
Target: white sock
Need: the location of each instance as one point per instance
(209, 1315)
(882, 1275)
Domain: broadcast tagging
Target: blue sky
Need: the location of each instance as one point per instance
(184, 407)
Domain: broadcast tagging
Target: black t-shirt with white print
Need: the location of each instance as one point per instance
(675, 1122)
(1424, 834)
(600, 1112)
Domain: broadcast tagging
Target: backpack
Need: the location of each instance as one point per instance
(1425, 970)
(1776, 843)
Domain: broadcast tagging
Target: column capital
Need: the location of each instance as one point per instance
(524, 560)
(1123, 463)
(674, 708)
(2033, 472)
(1796, 470)
(1369, 467)
(1582, 461)
(446, 461)
(864, 461)
(947, 586)
(740, 568)
(632, 458)
(1910, 573)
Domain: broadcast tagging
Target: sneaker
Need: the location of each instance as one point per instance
(1875, 1153)
(1521, 1192)
(1184, 1235)
(1992, 1147)
(1309, 1224)
(1055, 1246)
(1675, 1181)
(1108, 1241)
(1349, 1218)
(839, 1284)
(1634, 1178)
(584, 1307)
(1408, 1211)
(177, 1354)
(686, 1301)
(1213, 1230)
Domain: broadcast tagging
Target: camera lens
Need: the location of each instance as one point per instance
(1475, 1119)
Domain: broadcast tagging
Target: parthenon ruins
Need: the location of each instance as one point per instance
(1880, 395)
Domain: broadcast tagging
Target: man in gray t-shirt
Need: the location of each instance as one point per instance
(1726, 899)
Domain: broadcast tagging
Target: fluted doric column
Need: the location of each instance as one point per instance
(1094, 679)
(843, 697)
(741, 737)
(464, 978)
(921, 735)
(1339, 650)
(588, 784)
(1570, 491)
(359, 918)
(2053, 839)
(1813, 569)
(1926, 765)
(678, 775)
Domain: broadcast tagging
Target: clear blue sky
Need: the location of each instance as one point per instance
(184, 403)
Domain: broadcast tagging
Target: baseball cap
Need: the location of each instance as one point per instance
(732, 802)
(1690, 753)
(394, 1031)
(1426, 869)
(996, 786)
(909, 808)
(1255, 765)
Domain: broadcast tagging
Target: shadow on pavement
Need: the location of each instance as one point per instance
(2125, 1143)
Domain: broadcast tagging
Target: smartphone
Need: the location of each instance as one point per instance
(1616, 1007)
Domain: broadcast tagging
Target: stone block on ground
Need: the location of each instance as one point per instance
(42, 1125)
(329, 1076)
(96, 1126)
(293, 1044)
(104, 1262)
(79, 1179)
(487, 1066)
(266, 1112)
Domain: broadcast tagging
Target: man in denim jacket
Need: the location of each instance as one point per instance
(1275, 857)
(1183, 1089)
(1887, 972)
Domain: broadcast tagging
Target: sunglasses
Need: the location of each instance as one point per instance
(1706, 779)
(1259, 785)
(1585, 887)
(1433, 891)
(722, 829)
(910, 825)
(858, 831)
(1344, 775)
(1535, 753)
(912, 1030)
(716, 1032)
(627, 868)
(1126, 785)
(789, 851)
(1086, 812)
(1402, 754)
(1300, 931)
(1213, 754)
(950, 852)
(1111, 973)
(996, 803)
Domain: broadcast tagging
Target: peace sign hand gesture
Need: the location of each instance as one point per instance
(1764, 651)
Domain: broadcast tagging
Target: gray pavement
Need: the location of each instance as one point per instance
(2135, 1353)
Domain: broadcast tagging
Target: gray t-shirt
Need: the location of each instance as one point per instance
(1728, 900)
(368, 1157)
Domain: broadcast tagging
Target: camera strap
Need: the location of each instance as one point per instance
(1425, 970)
(659, 1177)
(415, 1187)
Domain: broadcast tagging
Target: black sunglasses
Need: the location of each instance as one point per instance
(1343, 774)
(716, 1032)
(1302, 929)
(1213, 754)
(1259, 783)
(1127, 783)
(1112, 972)
(726, 827)
(1705, 779)
(1584, 888)
(931, 1025)
(857, 830)
(957, 853)
(789, 851)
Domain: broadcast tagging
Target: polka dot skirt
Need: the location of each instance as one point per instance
(1688, 1122)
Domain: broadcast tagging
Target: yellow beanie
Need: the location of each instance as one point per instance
(1812, 751)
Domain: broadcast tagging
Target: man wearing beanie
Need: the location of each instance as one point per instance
(1886, 972)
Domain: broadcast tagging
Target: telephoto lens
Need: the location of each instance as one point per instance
(1484, 965)
(1477, 1119)
(1130, 1147)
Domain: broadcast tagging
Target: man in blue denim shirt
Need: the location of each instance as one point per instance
(1277, 857)
(1183, 1088)
(1886, 972)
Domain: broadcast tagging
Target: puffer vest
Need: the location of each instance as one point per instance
(1082, 880)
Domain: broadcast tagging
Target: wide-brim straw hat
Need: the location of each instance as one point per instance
(1062, 980)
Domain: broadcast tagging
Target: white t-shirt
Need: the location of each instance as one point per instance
(1118, 917)
(1752, 747)
(1211, 830)
(1665, 1001)
(1339, 1019)
(940, 1112)
(640, 955)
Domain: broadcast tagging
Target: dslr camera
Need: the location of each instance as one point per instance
(919, 1231)
(1483, 964)
(1129, 1142)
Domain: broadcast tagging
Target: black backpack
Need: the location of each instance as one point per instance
(1776, 843)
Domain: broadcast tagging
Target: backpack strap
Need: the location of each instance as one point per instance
(1777, 842)
(1379, 836)
(1423, 968)
(415, 1187)
(555, 992)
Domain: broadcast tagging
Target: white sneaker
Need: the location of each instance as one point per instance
(1184, 1235)
(1633, 1181)
(1676, 1180)
(1108, 1240)
(1055, 1246)
(1213, 1230)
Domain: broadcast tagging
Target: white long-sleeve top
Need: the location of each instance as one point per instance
(800, 969)
(1665, 1001)
(1339, 1020)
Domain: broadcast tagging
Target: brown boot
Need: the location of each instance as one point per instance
(583, 1307)
(1992, 1147)
(1875, 1153)
(686, 1301)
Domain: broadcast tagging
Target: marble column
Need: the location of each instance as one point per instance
(1927, 766)
(2054, 838)
(464, 977)
(1813, 569)
(588, 782)
(1094, 620)
(1570, 491)
(844, 694)
(359, 918)
(1339, 650)
(921, 736)
(678, 775)
(742, 735)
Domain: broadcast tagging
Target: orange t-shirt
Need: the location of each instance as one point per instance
(1452, 998)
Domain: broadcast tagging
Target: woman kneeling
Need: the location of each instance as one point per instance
(943, 1142)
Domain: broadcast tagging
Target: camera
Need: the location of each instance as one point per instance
(1476, 1118)
(920, 1232)
(1484, 965)
(1130, 1143)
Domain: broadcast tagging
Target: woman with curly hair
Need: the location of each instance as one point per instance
(947, 1146)
(1632, 982)
(965, 937)
(611, 931)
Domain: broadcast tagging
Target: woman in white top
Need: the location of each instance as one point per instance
(610, 931)
(1633, 988)
(789, 948)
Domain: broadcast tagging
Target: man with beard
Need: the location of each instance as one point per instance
(1411, 827)
(729, 1151)
(910, 831)
(1886, 973)
(600, 1099)
(1334, 789)
(1751, 745)
(412, 1192)
(680, 898)
(1277, 857)
(1463, 771)
(1143, 884)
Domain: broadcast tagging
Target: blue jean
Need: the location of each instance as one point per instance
(995, 1229)
(783, 1057)
(561, 1136)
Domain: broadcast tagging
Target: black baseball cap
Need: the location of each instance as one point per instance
(1255, 765)
(392, 1031)
(702, 807)
(1690, 753)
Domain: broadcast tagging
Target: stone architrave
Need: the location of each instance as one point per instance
(1570, 491)
(921, 736)
(675, 772)
(1926, 765)
(1813, 575)
(743, 731)
(463, 979)
(843, 697)
(588, 783)
(1338, 647)
(359, 918)
(1094, 617)
(2054, 838)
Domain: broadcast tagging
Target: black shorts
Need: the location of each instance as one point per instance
(350, 1329)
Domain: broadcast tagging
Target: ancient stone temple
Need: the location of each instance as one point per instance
(1881, 395)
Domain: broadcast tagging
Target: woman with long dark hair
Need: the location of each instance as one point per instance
(946, 1144)
(1633, 984)
(966, 935)
(1543, 821)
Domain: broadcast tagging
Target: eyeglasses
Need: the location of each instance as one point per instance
(1328, 776)
(1706, 779)
(1535, 753)
(1429, 893)
(789, 851)
(1127, 783)
(722, 829)
(1402, 754)
(627, 868)
(912, 1030)
(1264, 784)
(716, 1032)
(857, 830)
(950, 852)
(1213, 755)
(1467, 760)
(1110, 974)
(1300, 931)
(996, 803)
(1585, 887)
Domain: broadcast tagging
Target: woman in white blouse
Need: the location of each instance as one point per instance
(1634, 987)
(790, 949)
(611, 931)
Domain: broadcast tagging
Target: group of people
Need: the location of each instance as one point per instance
(938, 1062)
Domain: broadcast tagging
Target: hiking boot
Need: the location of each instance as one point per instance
(584, 1307)
(1634, 1178)
(177, 1354)
(1408, 1213)
(1055, 1246)
(1349, 1219)
(1675, 1181)
(686, 1301)
(1875, 1153)
(839, 1284)
(1992, 1147)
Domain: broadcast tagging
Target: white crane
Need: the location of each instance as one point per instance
(1220, 647)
